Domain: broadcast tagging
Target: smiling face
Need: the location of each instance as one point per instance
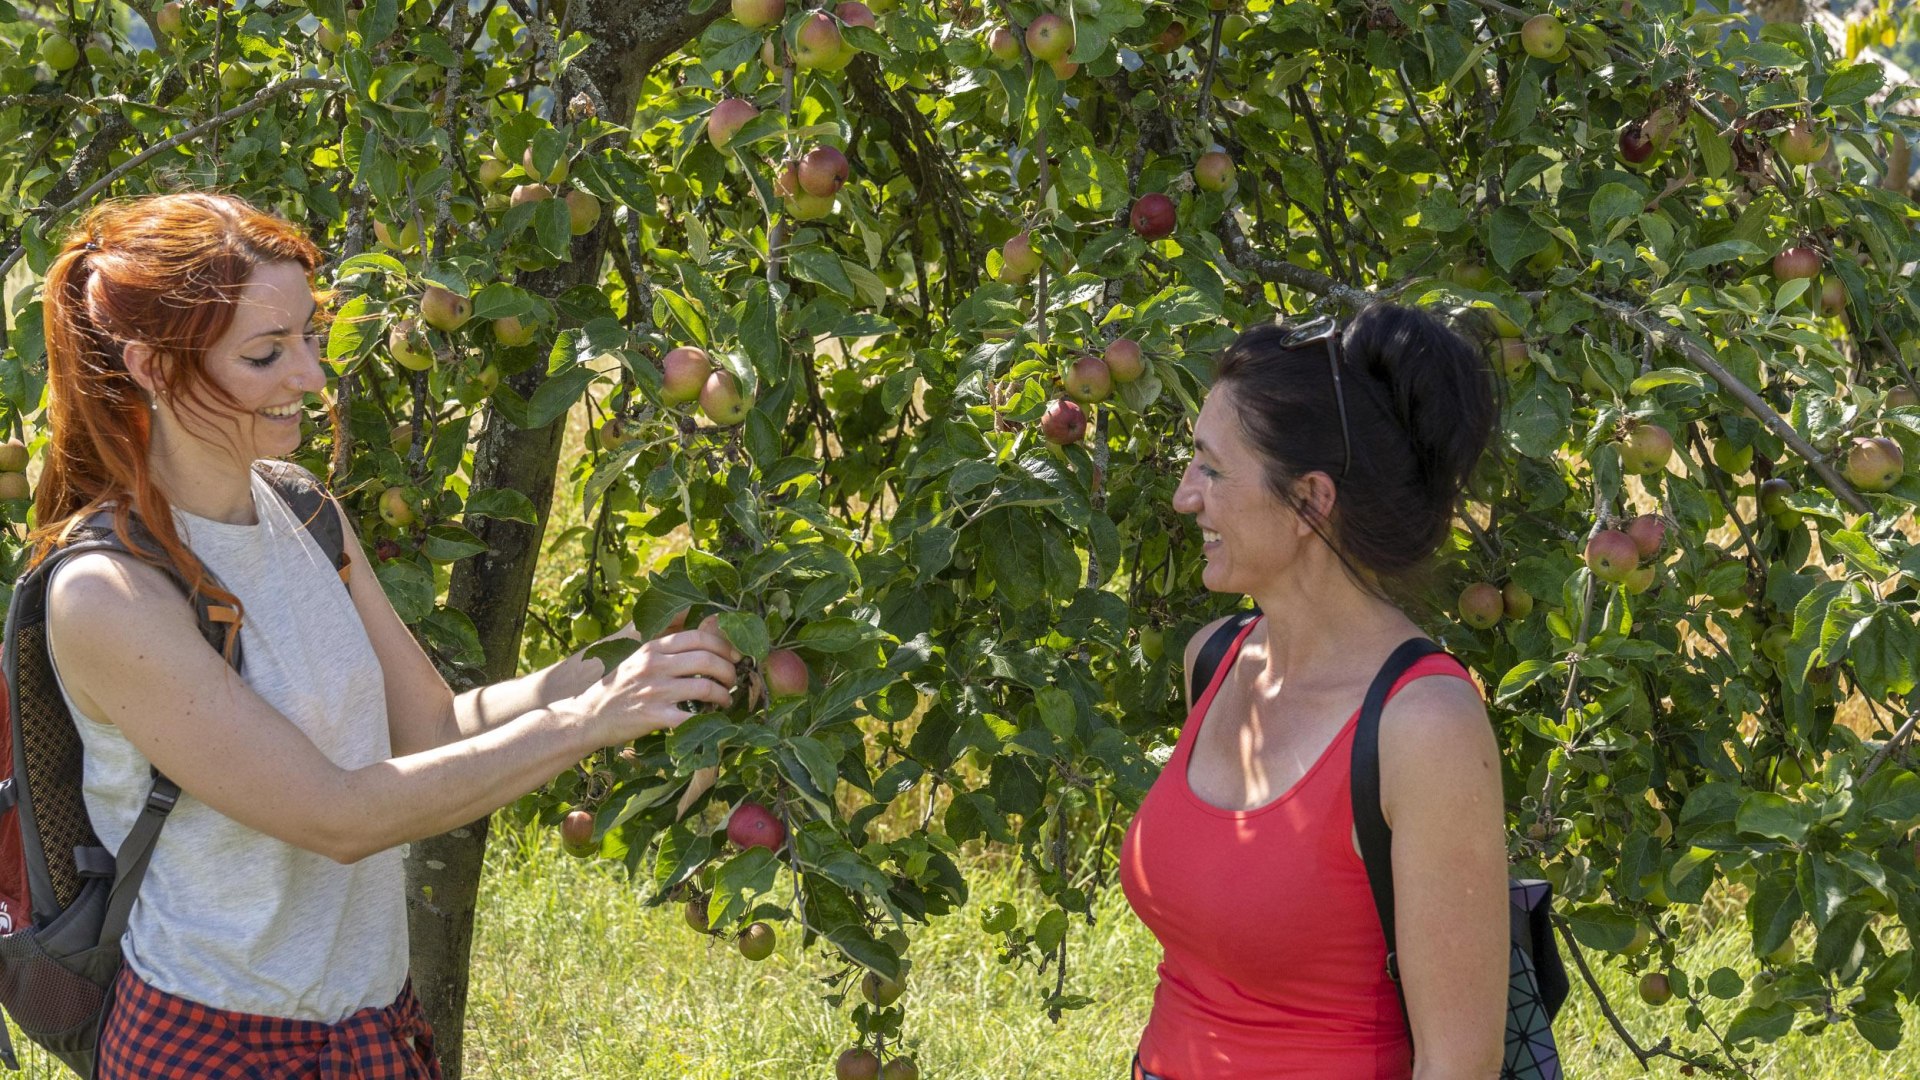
(1252, 536)
(267, 361)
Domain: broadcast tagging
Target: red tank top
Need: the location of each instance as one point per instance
(1274, 961)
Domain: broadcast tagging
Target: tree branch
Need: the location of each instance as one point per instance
(253, 104)
(1741, 392)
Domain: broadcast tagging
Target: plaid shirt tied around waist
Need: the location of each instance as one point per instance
(153, 1035)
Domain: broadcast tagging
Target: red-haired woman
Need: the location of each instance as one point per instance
(1325, 467)
(270, 935)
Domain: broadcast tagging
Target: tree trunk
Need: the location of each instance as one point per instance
(493, 588)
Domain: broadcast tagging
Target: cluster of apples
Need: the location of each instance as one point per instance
(1090, 380)
(13, 471)
(688, 374)
(1483, 604)
(819, 44)
(1622, 556)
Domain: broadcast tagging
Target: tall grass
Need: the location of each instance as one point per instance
(575, 977)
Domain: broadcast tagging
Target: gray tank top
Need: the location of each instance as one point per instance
(231, 917)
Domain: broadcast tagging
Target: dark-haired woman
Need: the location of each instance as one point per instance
(1325, 467)
(270, 938)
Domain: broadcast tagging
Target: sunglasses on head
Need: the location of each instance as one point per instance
(1326, 328)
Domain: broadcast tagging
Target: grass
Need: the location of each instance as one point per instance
(575, 977)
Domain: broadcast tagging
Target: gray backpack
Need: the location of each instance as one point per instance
(64, 898)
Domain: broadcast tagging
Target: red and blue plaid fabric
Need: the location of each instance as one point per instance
(153, 1035)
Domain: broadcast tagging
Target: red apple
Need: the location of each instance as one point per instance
(1063, 68)
(722, 399)
(172, 16)
(1481, 605)
(1645, 450)
(1543, 36)
(1649, 532)
(1214, 171)
(881, 991)
(900, 1069)
(1612, 555)
(1902, 397)
(787, 674)
(753, 825)
(1018, 259)
(553, 175)
(1874, 464)
(1773, 493)
(1833, 296)
(822, 171)
(1125, 361)
(1088, 380)
(1516, 601)
(1636, 146)
(576, 832)
(728, 117)
(526, 193)
(1802, 144)
(408, 344)
(509, 330)
(1003, 44)
(758, 14)
(756, 942)
(444, 310)
(1655, 988)
(1049, 38)
(1064, 423)
(1514, 356)
(855, 13)
(1796, 262)
(786, 182)
(818, 42)
(1171, 38)
(583, 212)
(684, 373)
(1153, 216)
(857, 1064)
(395, 508)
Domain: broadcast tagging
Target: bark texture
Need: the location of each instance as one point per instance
(493, 588)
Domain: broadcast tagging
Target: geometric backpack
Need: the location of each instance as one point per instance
(64, 898)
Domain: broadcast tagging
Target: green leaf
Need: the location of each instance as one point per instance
(557, 394)
(408, 587)
(1851, 84)
(1766, 1024)
(1653, 380)
(1613, 203)
(747, 632)
(1773, 909)
(499, 300)
(1715, 254)
(833, 635)
(354, 329)
(1521, 676)
(1764, 813)
(450, 543)
(1015, 556)
(503, 504)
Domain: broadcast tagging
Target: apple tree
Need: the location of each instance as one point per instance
(890, 319)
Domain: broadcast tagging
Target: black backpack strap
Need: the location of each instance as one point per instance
(1376, 840)
(313, 505)
(135, 853)
(1214, 651)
